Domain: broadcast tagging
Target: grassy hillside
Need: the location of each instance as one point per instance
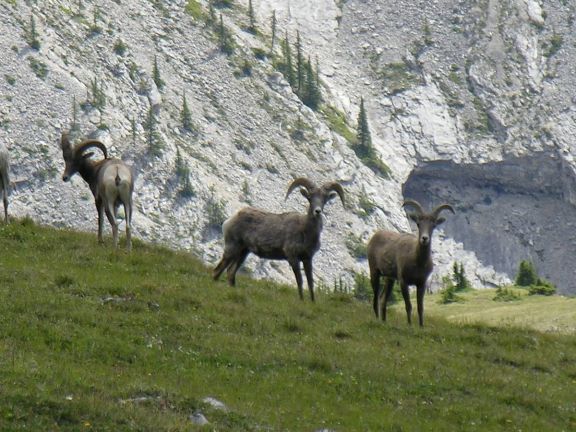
(96, 340)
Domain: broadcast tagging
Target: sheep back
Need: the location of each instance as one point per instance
(271, 235)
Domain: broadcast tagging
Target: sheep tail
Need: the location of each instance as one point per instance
(117, 179)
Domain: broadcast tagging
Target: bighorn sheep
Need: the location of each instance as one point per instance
(404, 257)
(4, 179)
(110, 181)
(288, 236)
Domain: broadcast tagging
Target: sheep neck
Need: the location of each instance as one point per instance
(423, 252)
(89, 172)
(313, 223)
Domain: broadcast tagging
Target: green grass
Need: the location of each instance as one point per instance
(93, 339)
(544, 313)
(194, 8)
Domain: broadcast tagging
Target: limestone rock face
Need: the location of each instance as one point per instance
(471, 103)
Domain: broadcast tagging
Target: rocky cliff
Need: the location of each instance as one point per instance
(468, 102)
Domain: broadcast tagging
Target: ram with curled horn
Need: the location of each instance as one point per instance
(293, 237)
(110, 180)
(404, 257)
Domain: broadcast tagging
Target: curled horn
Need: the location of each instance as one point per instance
(414, 204)
(84, 145)
(300, 182)
(336, 187)
(441, 207)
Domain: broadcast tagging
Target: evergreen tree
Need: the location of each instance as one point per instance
(274, 23)
(364, 139)
(156, 75)
(461, 283)
(153, 138)
(183, 174)
(287, 66)
(98, 99)
(300, 66)
(75, 125)
(252, 18)
(224, 38)
(526, 274)
(211, 20)
(32, 36)
(311, 92)
(134, 130)
(185, 116)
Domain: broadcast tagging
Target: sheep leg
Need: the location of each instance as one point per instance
(295, 264)
(387, 295)
(100, 209)
(5, 199)
(111, 214)
(375, 281)
(222, 265)
(235, 266)
(309, 276)
(406, 296)
(128, 221)
(420, 290)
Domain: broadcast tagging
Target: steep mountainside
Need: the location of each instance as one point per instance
(468, 102)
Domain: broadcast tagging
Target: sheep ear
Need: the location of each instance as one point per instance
(305, 193)
(414, 217)
(87, 155)
(440, 220)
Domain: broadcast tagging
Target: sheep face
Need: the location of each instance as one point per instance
(71, 167)
(318, 198)
(74, 157)
(426, 224)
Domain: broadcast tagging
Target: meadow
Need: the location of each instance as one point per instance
(93, 339)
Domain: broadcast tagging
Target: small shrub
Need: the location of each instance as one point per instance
(366, 205)
(39, 68)
(215, 210)
(10, 79)
(448, 293)
(194, 9)
(120, 47)
(505, 295)
(260, 53)
(356, 246)
(542, 287)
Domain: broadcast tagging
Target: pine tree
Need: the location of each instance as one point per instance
(526, 274)
(134, 130)
(152, 136)
(224, 38)
(211, 20)
(98, 99)
(252, 18)
(287, 66)
(75, 125)
(364, 139)
(461, 282)
(156, 75)
(311, 92)
(185, 116)
(274, 23)
(299, 66)
(32, 36)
